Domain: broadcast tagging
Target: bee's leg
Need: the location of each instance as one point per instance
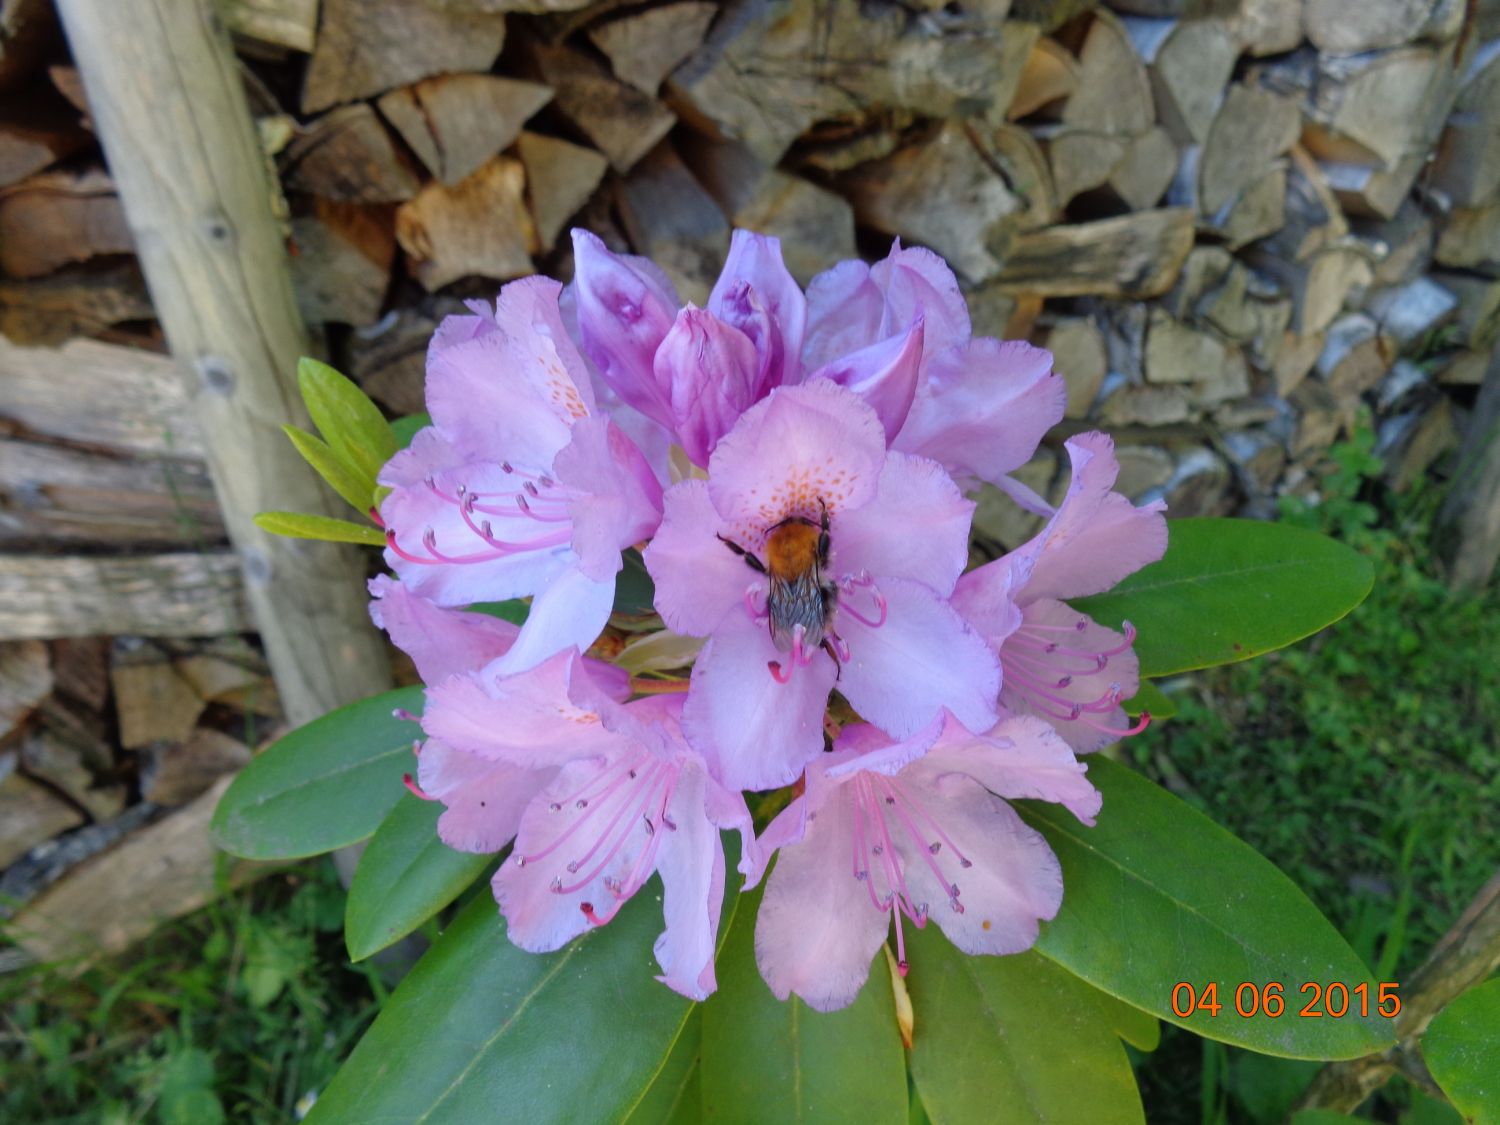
(750, 560)
(838, 665)
(823, 540)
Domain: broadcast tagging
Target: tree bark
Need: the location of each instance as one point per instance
(176, 129)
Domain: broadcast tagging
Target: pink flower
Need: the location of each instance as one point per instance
(693, 371)
(977, 406)
(1059, 664)
(598, 795)
(916, 828)
(520, 487)
(860, 602)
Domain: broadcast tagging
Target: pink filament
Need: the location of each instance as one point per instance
(414, 789)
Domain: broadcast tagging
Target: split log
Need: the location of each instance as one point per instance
(672, 220)
(1144, 173)
(1400, 381)
(1142, 468)
(623, 123)
(1081, 160)
(834, 148)
(1268, 27)
(1411, 311)
(1356, 356)
(1477, 318)
(1146, 406)
(1379, 108)
(281, 23)
(1201, 485)
(560, 177)
(1135, 255)
(1321, 419)
(80, 667)
(111, 901)
(343, 262)
(1312, 218)
(1024, 165)
(1114, 93)
(25, 681)
(1400, 246)
(1467, 165)
(1189, 63)
(1079, 356)
(1176, 9)
(1176, 353)
(456, 122)
(347, 155)
(1252, 128)
(56, 218)
(1272, 313)
(86, 301)
(36, 139)
(1295, 359)
(389, 360)
(29, 813)
(816, 227)
(1321, 285)
(100, 394)
(1204, 269)
(645, 47)
(1464, 368)
(173, 773)
(1001, 523)
(366, 47)
(1471, 239)
(1431, 435)
(53, 495)
(942, 193)
(152, 701)
(69, 83)
(170, 595)
(990, 312)
(1256, 211)
(1227, 308)
(1469, 523)
(1259, 457)
(1050, 75)
(480, 226)
(69, 751)
(1339, 28)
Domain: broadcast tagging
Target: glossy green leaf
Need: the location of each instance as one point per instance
(514, 611)
(634, 590)
(405, 428)
(1149, 697)
(1013, 1032)
(1323, 1117)
(676, 1095)
(323, 786)
(301, 525)
(344, 477)
(1156, 894)
(482, 1031)
(1140, 1029)
(405, 876)
(1462, 1049)
(1228, 590)
(345, 416)
(769, 1060)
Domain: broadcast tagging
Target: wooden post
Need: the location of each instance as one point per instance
(165, 93)
(1469, 524)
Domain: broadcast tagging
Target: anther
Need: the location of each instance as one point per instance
(902, 967)
(414, 789)
(935, 847)
(404, 715)
(581, 803)
(965, 863)
(554, 807)
(777, 673)
(556, 885)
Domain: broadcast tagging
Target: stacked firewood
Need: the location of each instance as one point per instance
(1237, 224)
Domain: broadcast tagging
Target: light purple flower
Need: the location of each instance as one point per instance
(1058, 663)
(976, 405)
(872, 616)
(916, 828)
(520, 487)
(693, 371)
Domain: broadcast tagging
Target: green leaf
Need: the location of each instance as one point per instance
(514, 611)
(343, 476)
(324, 785)
(1462, 1049)
(1013, 1032)
(301, 525)
(405, 428)
(1140, 1029)
(1156, 894)
(345, 416)
(768, 1060)
(1228, 590)
(676, 1095)
(634, 591)
(480, 1030)
(1149, 697)
(405, 877)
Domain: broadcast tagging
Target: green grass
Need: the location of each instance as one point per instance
(235, 1013)
(1364, 762)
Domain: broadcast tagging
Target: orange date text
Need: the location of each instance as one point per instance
(1316, 1000)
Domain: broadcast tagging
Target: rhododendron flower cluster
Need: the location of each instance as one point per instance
(792, 466)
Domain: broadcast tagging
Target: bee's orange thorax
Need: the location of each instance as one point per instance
(792, 550)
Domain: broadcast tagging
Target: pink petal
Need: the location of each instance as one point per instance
(884, 374)
(711, 375)
(1021, 757)
(1050, 684)
(922, 659)
(756, 733)
(1014, 880)
(985, 408)
(570, 612)
(985, 597)
(917, 527)
(755, 277)
(623, 316)
(1097, 536)
(918, 283)
(790, 449)
(845, 311)
(691, 864)
(817, 930)
(875, 752)
(526, 719)
(617, 498)
(440, 642)
(698, 579)
(484, 799)
(529, 312)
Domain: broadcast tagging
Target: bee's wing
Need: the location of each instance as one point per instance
(796, 601)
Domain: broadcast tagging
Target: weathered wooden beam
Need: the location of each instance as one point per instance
(170, 110)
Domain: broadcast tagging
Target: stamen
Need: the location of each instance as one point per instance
(780, 675)
(404, 715)
(841, 647)
(374, 513)
(592, 805)
(414, 789)
(649, 785)
(848, 585)
(758, 614)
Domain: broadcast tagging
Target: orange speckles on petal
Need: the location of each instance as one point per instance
(985, 924)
